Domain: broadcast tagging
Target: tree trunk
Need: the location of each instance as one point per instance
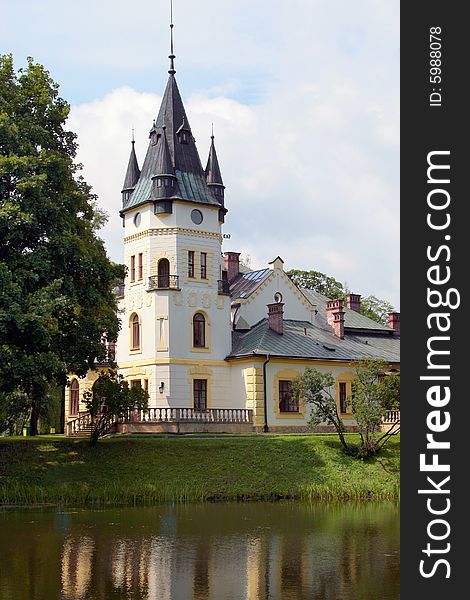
(33, 424)
(37, 394)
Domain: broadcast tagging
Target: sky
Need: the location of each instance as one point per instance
(304, 97)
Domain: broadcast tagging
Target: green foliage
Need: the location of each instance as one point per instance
(371, 306)
(317, 389)
(376, 309)
(56, 281)
(373, 394)
(314, 280)
(15, 412)
(111, 398)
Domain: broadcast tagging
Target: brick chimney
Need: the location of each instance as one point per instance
(275, 317)
(232, 265)
(353, 301)
(394, 322)
(335, 317)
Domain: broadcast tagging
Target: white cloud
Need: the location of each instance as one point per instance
(311, 169)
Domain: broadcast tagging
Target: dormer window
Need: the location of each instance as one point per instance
(164, 182)
(183, 137)
(154, 137)
(184, 133)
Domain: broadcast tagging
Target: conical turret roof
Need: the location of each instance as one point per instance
(164, 165)
(133, 171)
(180, 152)
(213, 175)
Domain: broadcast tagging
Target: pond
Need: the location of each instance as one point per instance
(226, 551)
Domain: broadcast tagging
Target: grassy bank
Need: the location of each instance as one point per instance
(141, 469)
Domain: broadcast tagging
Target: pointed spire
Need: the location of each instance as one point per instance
(133, 171)
(164, 165)
(172, 56)
(213, 175)
(172, 165)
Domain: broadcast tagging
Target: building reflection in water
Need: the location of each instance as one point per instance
(222, 552)
(77, 564)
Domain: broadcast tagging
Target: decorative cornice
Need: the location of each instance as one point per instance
(172, 231)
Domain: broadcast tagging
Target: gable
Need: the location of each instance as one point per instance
(253, 299)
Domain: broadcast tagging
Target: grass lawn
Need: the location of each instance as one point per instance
(152, 469)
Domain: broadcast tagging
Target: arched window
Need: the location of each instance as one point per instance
(135, 333)
(199, 331)
(163, 273)
(74, 397)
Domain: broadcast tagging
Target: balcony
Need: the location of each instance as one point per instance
(223, 287)
(163, 282)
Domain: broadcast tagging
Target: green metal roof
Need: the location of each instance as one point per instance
(304, 340)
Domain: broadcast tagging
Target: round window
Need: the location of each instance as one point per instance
(196, 216)
(137, 219)
(278, 297)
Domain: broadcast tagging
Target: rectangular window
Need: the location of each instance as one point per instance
(203, 265)
(190, 263)
(342, 398)
(200, 394)
(132, 268)
(287, 402)
(141, 266)
(146, 385)
(135, 383)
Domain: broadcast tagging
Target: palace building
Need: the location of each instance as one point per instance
(216, 345)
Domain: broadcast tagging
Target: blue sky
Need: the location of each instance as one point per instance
(304, 96)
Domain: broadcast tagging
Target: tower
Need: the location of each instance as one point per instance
(175, 313)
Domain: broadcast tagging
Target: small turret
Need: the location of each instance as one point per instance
(132, 175)
(213, 175)
(164, 183)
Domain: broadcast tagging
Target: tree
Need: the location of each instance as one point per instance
(317, 389)
(15, 412)
(314, 280)
(376, 309)
(373, 394)
(371, 306)
(111, 398)
(56, 281)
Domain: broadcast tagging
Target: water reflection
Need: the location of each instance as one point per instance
(256, 551)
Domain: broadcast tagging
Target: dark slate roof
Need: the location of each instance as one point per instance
(164, 166)
(304, 340)
(352, 319)
(133, 171)
(185, 159)
(246, 283)
(213, 174)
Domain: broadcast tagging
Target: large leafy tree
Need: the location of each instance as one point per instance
(56, 299)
